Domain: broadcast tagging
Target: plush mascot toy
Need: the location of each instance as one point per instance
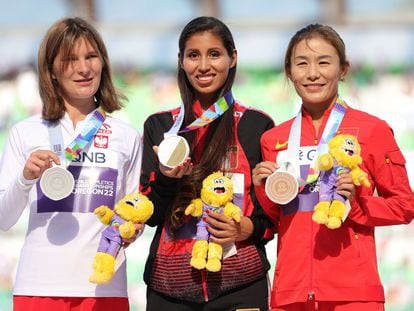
(133, 209)
(343, 157)
(216, 196)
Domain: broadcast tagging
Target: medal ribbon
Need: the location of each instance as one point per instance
(86, 134)
(208, 116)
(332, 126)
(212, 113)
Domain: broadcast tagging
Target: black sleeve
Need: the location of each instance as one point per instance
(251, 127)
(160, 189)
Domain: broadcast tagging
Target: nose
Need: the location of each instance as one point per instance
(313, 73)
(82, 66)
(204, 64)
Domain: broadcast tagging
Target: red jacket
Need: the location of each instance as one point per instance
(317, 263)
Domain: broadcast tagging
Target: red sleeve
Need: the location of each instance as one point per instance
(270, 208)
(394, 202)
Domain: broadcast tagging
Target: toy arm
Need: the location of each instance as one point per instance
(232, 211)
(104, 213)
(127, 230)
(359, 177)
(195, 208)
(325, 162)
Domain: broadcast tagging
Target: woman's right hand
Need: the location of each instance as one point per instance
(179, 171)
(38, 162)
(262, 170)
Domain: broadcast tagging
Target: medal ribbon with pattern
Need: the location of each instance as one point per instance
(86, 134)
(332, 126)
(212, 113)
(208, 116)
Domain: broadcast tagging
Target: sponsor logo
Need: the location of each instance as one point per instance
(92, 157)
(105, 129)
(280, 145)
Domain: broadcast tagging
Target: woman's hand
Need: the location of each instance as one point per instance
(139, 229)
(224, 229)
(345, 186)
(262, 170)
(179, 171)
(38, 162)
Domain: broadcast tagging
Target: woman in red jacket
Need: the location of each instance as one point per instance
(319, 268)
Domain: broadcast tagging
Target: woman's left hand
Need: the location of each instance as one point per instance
(345, 186)
(139, 230)
(224, 229)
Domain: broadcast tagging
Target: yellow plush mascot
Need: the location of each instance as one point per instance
(216, 196)
(133, 209)
(343, 157)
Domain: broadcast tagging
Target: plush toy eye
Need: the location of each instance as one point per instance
(349, 142)
(218, 181)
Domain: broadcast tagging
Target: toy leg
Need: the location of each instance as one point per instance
(215, 252)
(199, 254)
(336, 212)
(104, 268)
(320, 212)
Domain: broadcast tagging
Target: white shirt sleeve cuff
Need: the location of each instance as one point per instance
(25, 184)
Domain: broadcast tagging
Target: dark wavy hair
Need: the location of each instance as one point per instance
(220, 135)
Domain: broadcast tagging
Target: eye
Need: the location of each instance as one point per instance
(215, 54)
(349, 142)
(92, 55)
(71, 58)
(218, 181)
(192, 55)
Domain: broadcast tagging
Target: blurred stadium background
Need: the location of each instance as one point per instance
(142, 35)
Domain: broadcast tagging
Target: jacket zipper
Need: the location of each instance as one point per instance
(311, 294)
(204, 284)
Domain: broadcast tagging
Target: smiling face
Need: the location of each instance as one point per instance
(79, 76)
(206, 64)
(315, 71)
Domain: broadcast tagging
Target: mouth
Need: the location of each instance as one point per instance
(219, 190)
(349, 152)
(205, 78)
(84, 81)
(314, 86)
(129, 203)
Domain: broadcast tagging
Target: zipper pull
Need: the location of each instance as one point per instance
(311, 296)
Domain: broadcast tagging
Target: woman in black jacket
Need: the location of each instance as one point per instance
(228, 140)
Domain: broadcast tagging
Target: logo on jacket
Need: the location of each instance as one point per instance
(280, 145)
(105, 129)
(101, 141)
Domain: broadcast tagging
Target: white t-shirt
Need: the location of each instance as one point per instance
(62, 236)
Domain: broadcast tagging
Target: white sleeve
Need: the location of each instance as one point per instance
(14, 189)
